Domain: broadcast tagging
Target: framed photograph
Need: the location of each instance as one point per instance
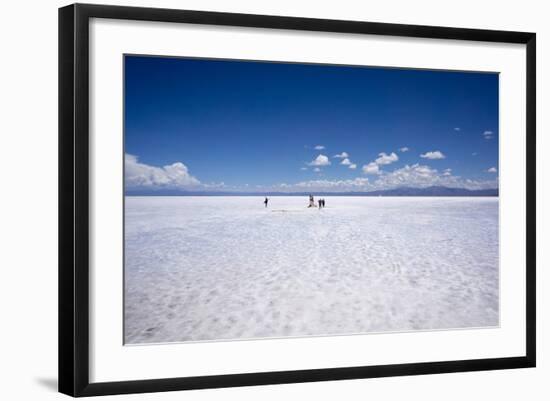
(250, 199)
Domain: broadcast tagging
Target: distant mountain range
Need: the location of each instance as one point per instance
(404, 191)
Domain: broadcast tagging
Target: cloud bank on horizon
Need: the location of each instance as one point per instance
(176, 176)
(306, 128)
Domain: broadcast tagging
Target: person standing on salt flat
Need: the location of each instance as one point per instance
(266, 201)
(311, 201)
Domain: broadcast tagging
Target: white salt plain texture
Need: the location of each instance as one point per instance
(221, 268)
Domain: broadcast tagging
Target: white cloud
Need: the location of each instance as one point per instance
(319, 147)
(346, 162)
(433, 155)
(342, 155)
(357, 184)
(415, 176)
(386, 159)
(492, 170)
(421, 176)
(488, 134)
(383, 159)
(404, 149)
(141, 175)
(457, 129)
(371, 168)
(321, 160)
(303, 168)
(353, 166)
(474, 154)
(317, 169)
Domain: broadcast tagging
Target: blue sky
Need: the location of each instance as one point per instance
(196, 124)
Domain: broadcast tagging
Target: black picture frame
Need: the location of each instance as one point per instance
(74, 199)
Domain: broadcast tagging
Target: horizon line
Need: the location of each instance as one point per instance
(408, 191)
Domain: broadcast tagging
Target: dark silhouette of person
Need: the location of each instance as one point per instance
(266, 201)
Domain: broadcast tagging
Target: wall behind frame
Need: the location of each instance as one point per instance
(28, 204)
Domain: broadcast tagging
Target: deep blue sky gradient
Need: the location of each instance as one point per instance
(256, 123)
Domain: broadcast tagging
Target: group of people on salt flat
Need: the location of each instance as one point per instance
(320, 202)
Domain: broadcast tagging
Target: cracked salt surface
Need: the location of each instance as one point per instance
(220, 268)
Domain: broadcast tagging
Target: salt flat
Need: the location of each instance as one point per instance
(217, 268)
